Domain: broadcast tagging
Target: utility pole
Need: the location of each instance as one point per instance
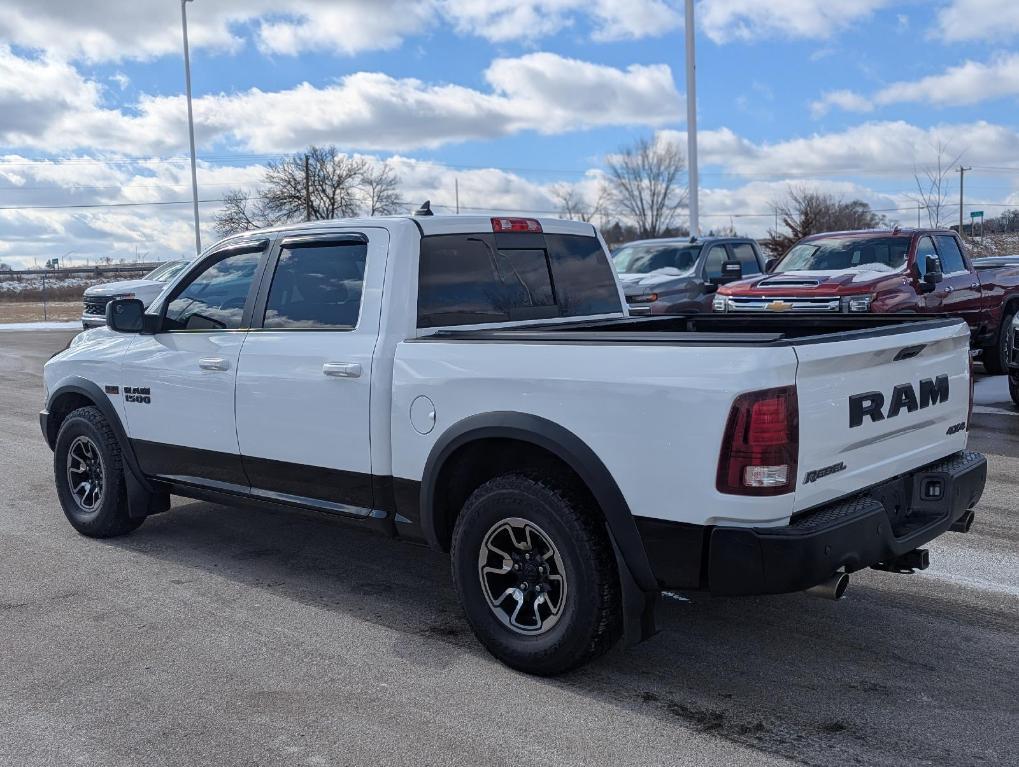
(307, 189)
(962, 179)
(191, 122)
(691, 120)
(456, 187)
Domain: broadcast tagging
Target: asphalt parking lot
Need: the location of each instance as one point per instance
(227, 636)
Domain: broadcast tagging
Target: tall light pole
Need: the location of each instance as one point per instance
(962, 181)
(691, 121)
(191, 122)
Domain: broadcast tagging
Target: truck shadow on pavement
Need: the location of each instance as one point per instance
(901, 671)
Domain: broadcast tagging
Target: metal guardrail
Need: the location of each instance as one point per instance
(79, 270)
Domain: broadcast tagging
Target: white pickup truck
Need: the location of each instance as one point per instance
(476, 384)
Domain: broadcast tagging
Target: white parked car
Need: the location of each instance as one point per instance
(477, 384)
(145, 290)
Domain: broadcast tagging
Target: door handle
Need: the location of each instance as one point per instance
(949, 289)
(974, 285)
(213, 363)
(342, 369)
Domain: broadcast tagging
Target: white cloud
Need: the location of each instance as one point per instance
(165, 231)
(726, 20)
(842, 99)
(129, 29)
(978, 20)
(539, 92)
(888, 149)
(968, 83)
(749, 208)
(502, 20)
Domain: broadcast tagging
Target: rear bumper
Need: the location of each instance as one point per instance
(851, 534)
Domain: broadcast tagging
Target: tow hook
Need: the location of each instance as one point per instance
(963, 523)
(833, 588)
(910, 562)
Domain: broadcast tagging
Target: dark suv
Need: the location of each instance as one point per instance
(680, 275)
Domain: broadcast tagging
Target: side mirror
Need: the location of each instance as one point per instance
(125, 315)
(770, 264)
(932, 273)
(732, 271)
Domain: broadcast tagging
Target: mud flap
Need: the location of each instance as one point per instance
(140, 501)
(638, 605)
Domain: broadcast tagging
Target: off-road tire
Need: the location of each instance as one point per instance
(110, 516)
(590, 619)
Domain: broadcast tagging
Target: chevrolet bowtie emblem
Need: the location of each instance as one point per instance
(778, 305)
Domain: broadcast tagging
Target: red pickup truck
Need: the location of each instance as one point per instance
(892, 271)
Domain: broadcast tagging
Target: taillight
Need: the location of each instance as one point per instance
(516, 225)
(761, 445)
(646, 298)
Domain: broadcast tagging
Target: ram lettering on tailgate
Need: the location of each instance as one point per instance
(904, 397)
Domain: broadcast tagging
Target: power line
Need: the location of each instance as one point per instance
(227, 160)
(409, 204)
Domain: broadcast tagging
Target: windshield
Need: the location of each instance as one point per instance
(832, 254)
(642, 259)
(166, 272)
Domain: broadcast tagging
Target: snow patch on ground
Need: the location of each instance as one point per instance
(71, 325)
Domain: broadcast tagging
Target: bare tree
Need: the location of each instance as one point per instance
(241, 213)
(574, 207)
(932, 183)
(321, 183)
(381, 191)
(805, 212)
(646, 183)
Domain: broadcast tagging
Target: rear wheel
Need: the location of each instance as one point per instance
(535, 572)
(89, 474)
(995, 357)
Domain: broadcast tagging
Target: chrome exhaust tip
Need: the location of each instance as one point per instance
(834, 588)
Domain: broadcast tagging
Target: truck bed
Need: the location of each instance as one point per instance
(709, 329)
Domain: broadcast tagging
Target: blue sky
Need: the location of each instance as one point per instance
(514, 99)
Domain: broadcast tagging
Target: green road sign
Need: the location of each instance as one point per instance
(977, 214)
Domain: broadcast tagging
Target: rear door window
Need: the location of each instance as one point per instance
(317, 287)
(951, 256)
(468, 279)
(745, 254)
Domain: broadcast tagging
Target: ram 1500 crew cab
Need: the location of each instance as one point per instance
(916, 271)
(476, 384)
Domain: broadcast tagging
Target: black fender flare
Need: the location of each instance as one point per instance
(91, 391)
(569, 448)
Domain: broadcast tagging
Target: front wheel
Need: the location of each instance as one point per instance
(996, 357)
(89, 474)
(536, 575)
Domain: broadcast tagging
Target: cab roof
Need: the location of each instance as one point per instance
(427, 225)
(906, 231)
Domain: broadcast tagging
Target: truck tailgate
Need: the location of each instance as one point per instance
(877, 405)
